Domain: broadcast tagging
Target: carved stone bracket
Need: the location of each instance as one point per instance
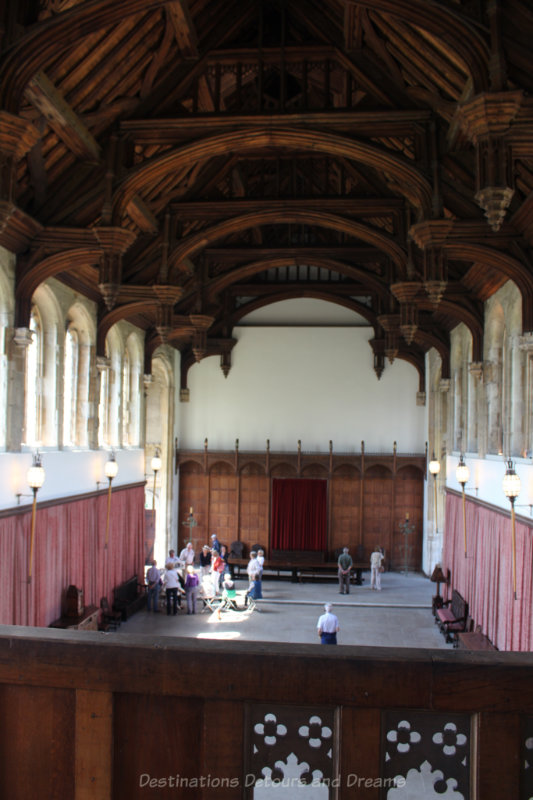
(185, 395)
(475, 369)
(114, 242)
(23, 337)
(525, 342)
(444, 385)
(421, 398)
(103, 363)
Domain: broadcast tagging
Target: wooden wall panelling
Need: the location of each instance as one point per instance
(192, 492)
(344, 490)
(37, 742)
(360, 731)
(159, 737)
(495, 741)
(223, 742)
(254, 507)
(409, 498)
(222, 502)
(377, 508)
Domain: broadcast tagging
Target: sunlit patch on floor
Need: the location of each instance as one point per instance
(219, 635)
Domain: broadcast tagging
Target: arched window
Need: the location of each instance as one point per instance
(126, 397)
(70, 386)
(33, 382)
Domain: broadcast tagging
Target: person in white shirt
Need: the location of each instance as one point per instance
(375, 569)
(328, 626)
(173, 588)
(187, 555)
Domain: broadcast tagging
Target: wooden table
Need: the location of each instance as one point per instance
(297, 568)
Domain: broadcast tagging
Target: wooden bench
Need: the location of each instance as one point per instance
(451, 618)
(129, 597)
(475, 640)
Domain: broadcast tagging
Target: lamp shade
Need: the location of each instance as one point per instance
(434, 465)
(156, 462)
(511, 482)
(462, 473)
(111, 467)
(36, 473)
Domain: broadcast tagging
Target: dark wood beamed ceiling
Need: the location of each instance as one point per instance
(186, 162)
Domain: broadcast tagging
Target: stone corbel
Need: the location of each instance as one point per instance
(23, 337)
(444, 385)
(421, 398)
(475, 368)
(525, 342)
(103, 363)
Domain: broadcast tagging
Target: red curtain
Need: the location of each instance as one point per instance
(69, 549)
(484, 577)
(299, 514)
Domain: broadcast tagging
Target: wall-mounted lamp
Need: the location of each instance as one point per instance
(511, 489)
(434, 468)
(462, 473)
(35, 478)
(156, 464)
(110, 471)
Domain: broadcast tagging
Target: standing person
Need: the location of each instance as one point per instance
(153, 579)
(215, 544)
(173, 588)
(172, 558)
(205, 561)
(345, 565)
(376, 569)
(187, 555)
(261, 562)
(191, 589)
(218, 565)
(328, 626)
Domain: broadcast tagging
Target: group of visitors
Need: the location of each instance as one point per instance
(345, 565)
(181, 578)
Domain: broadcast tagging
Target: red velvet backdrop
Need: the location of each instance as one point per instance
(299, 514)
(69, 549)
(484, 577)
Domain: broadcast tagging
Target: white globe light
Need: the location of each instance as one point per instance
(36, 474)
(434, 466)
(462, 473)
(511, 482)
(111, 468)
(156, 462)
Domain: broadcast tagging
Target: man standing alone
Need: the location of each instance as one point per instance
(345, 565)
(328, 626)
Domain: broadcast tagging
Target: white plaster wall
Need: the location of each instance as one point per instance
(68, 472)
(308, 383)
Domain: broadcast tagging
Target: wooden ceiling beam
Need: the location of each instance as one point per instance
(184, 30)
(305, 255)
(42, 93)
(366, 207)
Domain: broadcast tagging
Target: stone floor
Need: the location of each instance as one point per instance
(398, 616)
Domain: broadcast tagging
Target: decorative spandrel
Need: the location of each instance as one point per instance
(291, 751)
(427, 754)
(526, 787)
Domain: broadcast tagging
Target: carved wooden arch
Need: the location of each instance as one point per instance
(350, 466)
(48, 39)
(28, 282)
(217, 285)
(226, 462)
(412, 467)
(207, 236)
(116, 315)
(461, 314)
(444, 22)
(233, 318)
(196, 461)
(283, 469)
(503, 262)
(378, 465)
(427, 340)
(249, 462)
(410, 181)
(314, 467)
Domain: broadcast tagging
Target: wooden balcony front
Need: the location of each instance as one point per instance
(87, 715)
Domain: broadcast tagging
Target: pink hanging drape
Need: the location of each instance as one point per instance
(69, 549)
(484, 577)
(299, 514)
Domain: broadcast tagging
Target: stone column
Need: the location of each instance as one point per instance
(18, 340)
